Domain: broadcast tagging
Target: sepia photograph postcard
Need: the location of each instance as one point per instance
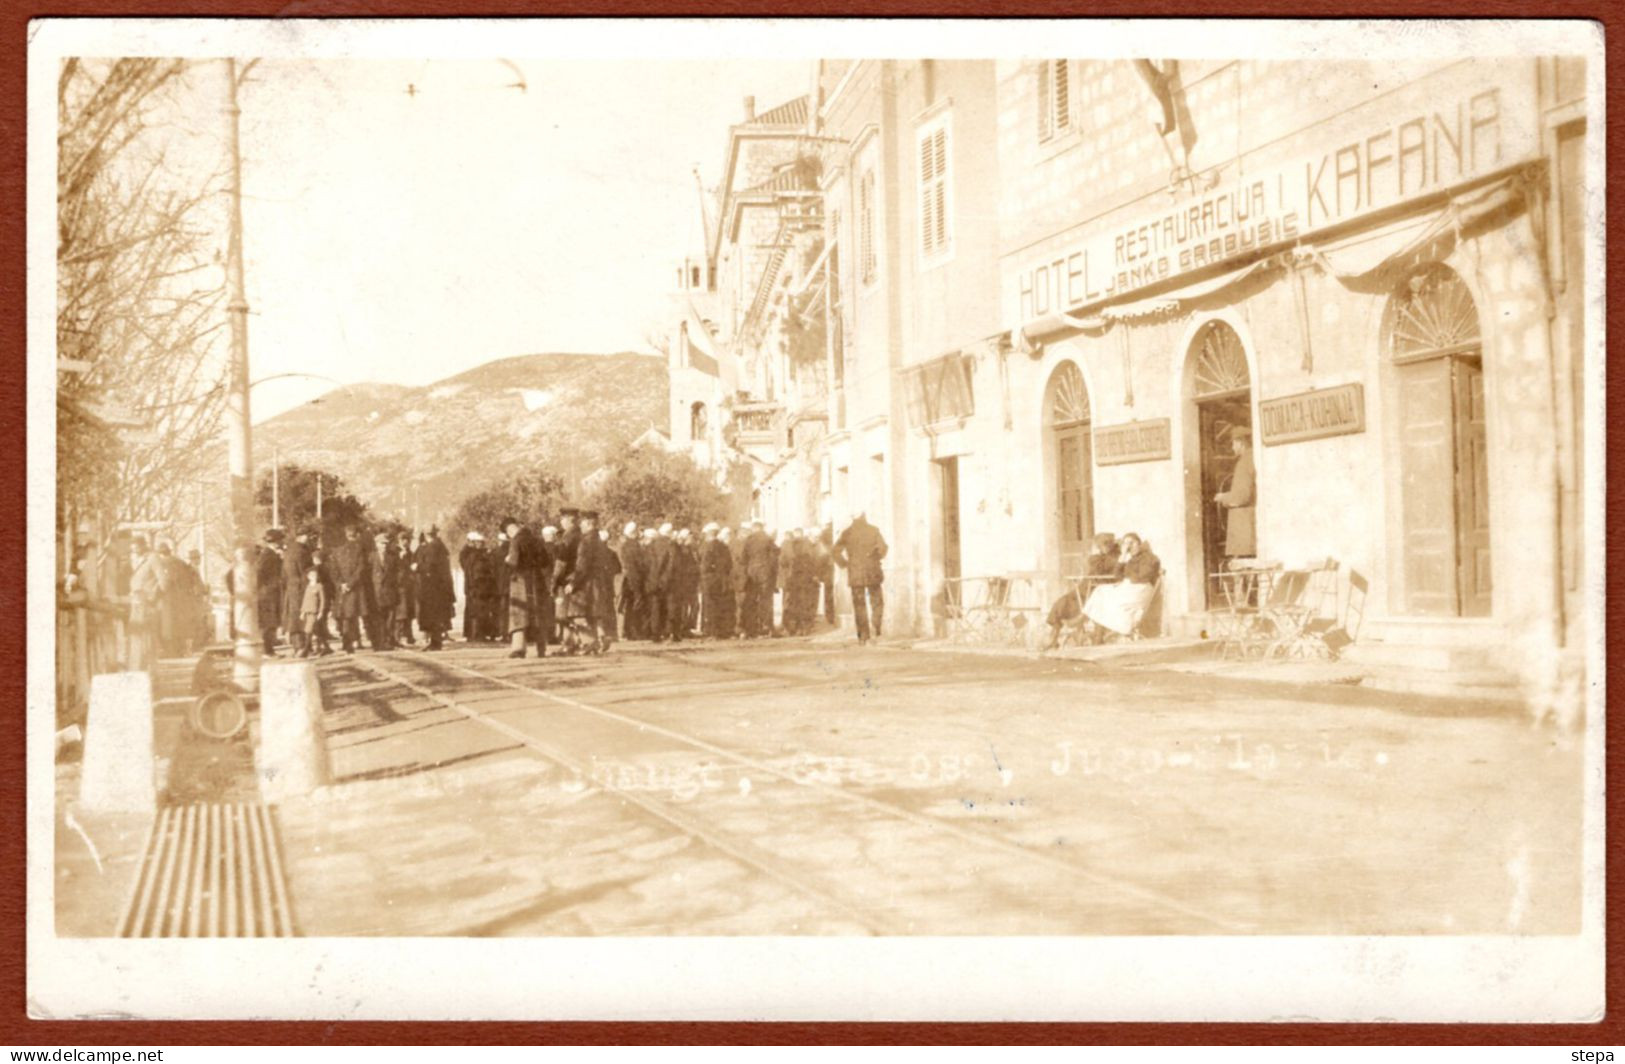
(816, 519)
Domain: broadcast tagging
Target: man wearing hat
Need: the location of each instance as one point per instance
(268, 574)
(384, 587)
(590, 588)
(437, 597)
(686, 586)
(759, 573)
(657, 582)
(736, 549)
(529, 615)
(633, 567)
(716, 584)
(295, 564)
(352, 600)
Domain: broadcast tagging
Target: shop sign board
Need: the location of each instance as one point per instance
(1133, 441)
(1438, 141)
(1312, 415)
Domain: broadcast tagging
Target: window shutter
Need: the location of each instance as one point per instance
(1063, 103)
(1045, 95)
(934, 190)
(866, 227)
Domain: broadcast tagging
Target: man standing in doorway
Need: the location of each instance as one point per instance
(860, 550)
(1240, 531)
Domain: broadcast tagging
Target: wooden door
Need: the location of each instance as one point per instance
(948, 483)
(1075, 496)
(1428, 485)
(1217, 421)
(1472, 489)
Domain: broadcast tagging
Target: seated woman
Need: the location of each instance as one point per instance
(1118, 607)
(1101, 568)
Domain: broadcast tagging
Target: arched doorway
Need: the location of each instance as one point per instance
(1221, 389)
(1066, 417)
(1432, 335)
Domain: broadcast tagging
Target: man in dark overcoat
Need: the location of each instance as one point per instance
(803, 582)
(760, 570)
(466, 565)
(685, 586)
(860, 550)
(658, 574)
(295, 564)
(716, 584)
(383, 589)
(633, 565)
(437, 596)
(353, 599)
(268, 587)
(736, 552)
(529, 615)
(590, 587)
(406, 594)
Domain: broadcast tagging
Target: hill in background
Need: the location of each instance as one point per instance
(564, 413)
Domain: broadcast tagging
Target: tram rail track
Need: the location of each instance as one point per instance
(752, 855)
(740, 850)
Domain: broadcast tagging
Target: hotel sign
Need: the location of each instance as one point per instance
(1134, 441)
(1439, 141)
(1311, 415)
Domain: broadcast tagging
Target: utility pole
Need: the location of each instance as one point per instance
(318, 498)
(245, 615)
(276, 486)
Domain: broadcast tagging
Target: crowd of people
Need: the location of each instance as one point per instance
(573, 586)
(392, 589)
(581, 587)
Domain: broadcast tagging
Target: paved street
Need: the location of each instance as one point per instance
(815, 787)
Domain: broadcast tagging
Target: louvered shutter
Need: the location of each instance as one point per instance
(866, 227)
(934, 191)
(1063, 102)
(1046, 93)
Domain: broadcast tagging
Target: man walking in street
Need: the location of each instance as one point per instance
(860, 550)
(353, 601)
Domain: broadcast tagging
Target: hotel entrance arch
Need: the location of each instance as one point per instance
(1219, 387)
(1069, 448)
(1435, 352)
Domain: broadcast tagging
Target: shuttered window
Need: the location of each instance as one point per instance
(935, 230)
(866, 227)
(1054, 98)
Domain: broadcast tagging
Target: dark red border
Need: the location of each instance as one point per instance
(17, 1029)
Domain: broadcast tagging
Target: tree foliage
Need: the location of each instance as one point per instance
(651, 484)
(295, 493)
(533, 498)
(138, 295)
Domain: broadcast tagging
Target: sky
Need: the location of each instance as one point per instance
(407, 236)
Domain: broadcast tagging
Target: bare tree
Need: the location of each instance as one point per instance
(138, 296)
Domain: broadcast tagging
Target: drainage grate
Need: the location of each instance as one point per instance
(210, 870)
